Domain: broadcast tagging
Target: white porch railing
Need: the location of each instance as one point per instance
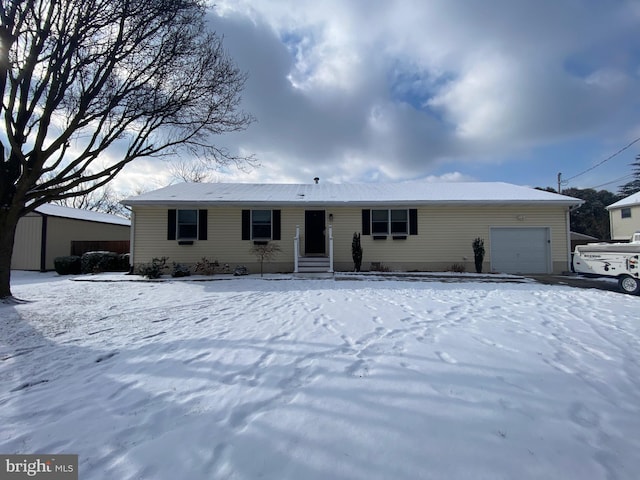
(330, 248)
(296, 250)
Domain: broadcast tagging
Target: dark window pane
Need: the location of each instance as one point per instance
(261, 224)
(187, 224)
(187, 231)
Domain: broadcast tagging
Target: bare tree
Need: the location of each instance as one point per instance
(265, 252)
(90, 85)
(193, 170)
(103, 200)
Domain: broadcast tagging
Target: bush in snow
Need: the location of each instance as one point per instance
(179, 270)
(240, 270)
(155, 269)
(69, 265)
(95, 262)
(206, 266)
(457, 268)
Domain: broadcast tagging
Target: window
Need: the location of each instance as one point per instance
(187, 224)
(625, 212)
(385, 222)
(379, 222)
(399, 222)
(261, 224)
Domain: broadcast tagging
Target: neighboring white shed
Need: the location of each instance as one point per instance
(624, 217)
(49, 231)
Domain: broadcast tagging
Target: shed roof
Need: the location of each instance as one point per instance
(626, 202)
(79, 214)
(405, 193)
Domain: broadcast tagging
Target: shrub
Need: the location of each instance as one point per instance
(69, 265)
(206, 266)
(478, 253)
(356, 252)
(265, 251)
(155, 269)
(123, 262)
(240, 270)
(180, 270)
(94, 262)
(379, 267)
(457, 268)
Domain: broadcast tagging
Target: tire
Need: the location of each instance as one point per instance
(629, 285)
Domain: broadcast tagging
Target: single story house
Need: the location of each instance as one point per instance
(411, 226)
(624, 217)
(52, 230)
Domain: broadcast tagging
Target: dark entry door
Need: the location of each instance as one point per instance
(314, 232)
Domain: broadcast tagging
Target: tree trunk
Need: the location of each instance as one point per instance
(8, 223)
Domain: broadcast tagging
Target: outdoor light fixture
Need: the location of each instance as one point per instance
(331, 217)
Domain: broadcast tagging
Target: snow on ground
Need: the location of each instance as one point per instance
(252, 378)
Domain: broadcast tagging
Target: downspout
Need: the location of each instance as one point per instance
(43, 244)
(568, 216)
(296, 249)
(132, 237)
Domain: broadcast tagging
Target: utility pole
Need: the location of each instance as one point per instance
(559, 181)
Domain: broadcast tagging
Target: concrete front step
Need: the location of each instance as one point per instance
(313, 264)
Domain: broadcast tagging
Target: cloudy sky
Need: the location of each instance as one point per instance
(377, 91)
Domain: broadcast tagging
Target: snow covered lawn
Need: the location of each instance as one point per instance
(252, 378)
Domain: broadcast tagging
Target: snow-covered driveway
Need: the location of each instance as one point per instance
(321, 379)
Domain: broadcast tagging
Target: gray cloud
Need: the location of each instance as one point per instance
(375, 90)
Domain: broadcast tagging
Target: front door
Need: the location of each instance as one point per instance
(314, 228)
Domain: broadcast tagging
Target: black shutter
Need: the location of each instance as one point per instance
(413, 221)
(246, 224)
(275, 218)
(171, 224)
(202, 224)
(366, 222)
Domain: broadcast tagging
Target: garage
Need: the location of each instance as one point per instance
(520, 250)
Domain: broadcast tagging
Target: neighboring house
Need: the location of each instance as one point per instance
(624, 216)
(413, 226)
(51, 230)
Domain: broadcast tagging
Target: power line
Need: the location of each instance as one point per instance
(605, 160)
(613, 181)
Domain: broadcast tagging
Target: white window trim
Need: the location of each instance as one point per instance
(389, 222)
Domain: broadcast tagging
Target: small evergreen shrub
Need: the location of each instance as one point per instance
(179, 270)
(240, 270)
(478, 253)
(95, 262)
(155, 269)
(69, 265)
(356, 252)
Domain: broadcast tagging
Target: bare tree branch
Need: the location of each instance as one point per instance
(89, 86)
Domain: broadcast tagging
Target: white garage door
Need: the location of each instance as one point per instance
(520, 250)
